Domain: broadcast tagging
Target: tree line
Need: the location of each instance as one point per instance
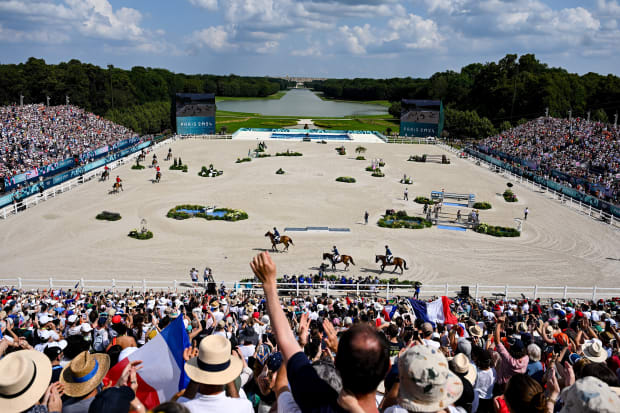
(139, 98)
(484, 98)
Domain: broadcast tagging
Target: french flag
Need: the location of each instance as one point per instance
(162, 374)
(437, 311)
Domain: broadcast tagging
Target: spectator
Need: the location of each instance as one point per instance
(81, 380)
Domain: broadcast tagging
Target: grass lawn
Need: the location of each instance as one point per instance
(359, 123)
(385, 103)
(276, 95)
(234, 123)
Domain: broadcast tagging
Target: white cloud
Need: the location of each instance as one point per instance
(8, 35)
(416, 32)
(214, 38)
(205, 4)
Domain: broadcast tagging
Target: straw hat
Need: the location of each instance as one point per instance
(475, 331)
(24, 379)
(460, 364)
(595, 352)
(426, 383)
(214, 365)
(84, 373)
(590, 395)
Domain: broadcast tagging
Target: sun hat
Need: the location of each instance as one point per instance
(84, 373)
(590, 395)
(24, 379)
(427, 328)
(214, 364)
(86, 328)
(426, 382)
(595, 352)
(475, 331)
(461, 366)
(521, 327)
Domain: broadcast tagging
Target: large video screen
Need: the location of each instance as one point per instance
(195, 113)
(421, 118)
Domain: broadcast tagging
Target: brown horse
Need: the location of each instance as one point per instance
(283, 240)
(397, 262)
(343, 259)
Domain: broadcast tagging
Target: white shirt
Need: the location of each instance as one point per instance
(484, 383)
(398, 409)
(217, 403)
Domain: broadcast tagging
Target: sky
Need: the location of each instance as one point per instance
(314, 38)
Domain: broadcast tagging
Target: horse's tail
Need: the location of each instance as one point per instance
(405, 264)
(351, 260)
(291, 240)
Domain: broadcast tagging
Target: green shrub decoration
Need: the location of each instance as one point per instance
(289, 153)
(108, 216)
(209, 172)
(482, 205)
(178, 166)
(423, 200)
(509, 196)
(241, 160)
(140, 235)
(341, 150)
(497, 231)
(360, 158)
(230, 214)
(377, 173)
(137, 166)
(263, 155)
(402, 220)
(280, 172)
(346, 179)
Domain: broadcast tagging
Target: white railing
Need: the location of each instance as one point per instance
(387, 290)
(410, 140)
(56, 190)
(578, 206)
(204, 136)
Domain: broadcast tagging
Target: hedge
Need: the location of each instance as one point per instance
(347, 179)
(108, 216)
(289, 153)
(209, 172)
(263, 155)
(417, 158)
(497, 231)
(137, 166)
(231, 214)
(482, 205)
(241, 160)
(377, 173)
(423, 200)
(140, 235)
(402, 220)
(360, 158)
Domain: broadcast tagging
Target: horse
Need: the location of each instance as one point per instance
(343, 259)
(283, 240)
(105, 175)
(154, 163)
(116, 187)
(397, 262)
(168, 157)
(141, 157)
(157, 177)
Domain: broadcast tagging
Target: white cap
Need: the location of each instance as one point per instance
(86, 328)
(72, 318)
(44, 319)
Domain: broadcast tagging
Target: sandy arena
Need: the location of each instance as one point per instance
(61, 238)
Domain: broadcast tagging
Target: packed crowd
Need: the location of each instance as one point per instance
(262, 353)
(37, 135)
(579, 148)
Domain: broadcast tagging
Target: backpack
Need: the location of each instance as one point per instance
(98, 344)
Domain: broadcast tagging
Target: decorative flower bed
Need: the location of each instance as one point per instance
(241, 160)
(482, 205)
(377, 173)
(177, 165)
(509, 196)
(209, 172)
(263, 155)
(280, 172)
(199, 211)
(402, 220)
(137, 166)
(108, 216)
(497, 231)
(360, 158)
(140, 235)
(346, 179)
(289, 153)
(423, 200)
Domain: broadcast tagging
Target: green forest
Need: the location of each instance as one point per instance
(480, 100)
(139, 98)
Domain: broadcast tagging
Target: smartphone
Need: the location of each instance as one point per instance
(323, 345)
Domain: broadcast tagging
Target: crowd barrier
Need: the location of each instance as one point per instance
(551, 189)
(387, 290)
(59, 184)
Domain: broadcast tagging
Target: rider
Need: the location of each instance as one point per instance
(118, 180)
(276, 235)
(336, 254)
(169, 152)
(388, 255)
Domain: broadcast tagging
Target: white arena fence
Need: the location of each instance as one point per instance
(578, 206)
(54, 191)
(386, 291)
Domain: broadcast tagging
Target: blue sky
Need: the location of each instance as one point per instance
(321, 38)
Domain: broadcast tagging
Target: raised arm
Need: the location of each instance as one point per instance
(265, 269)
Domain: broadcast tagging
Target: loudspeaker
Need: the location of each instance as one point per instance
(211, 288)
